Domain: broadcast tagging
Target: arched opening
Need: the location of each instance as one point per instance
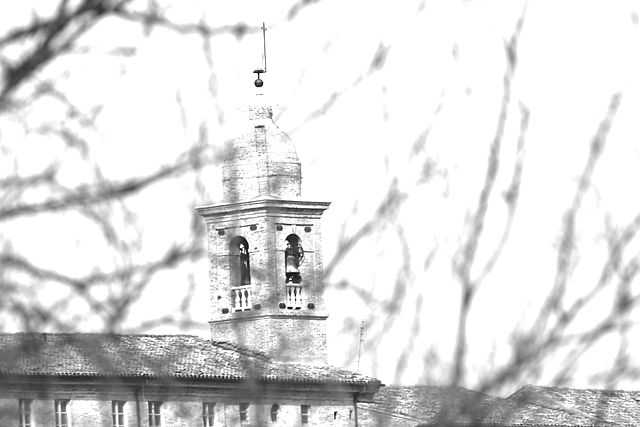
(293, 257)
(239, 262)
(275, 409)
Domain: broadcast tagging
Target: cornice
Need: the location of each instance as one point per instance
(267, 205)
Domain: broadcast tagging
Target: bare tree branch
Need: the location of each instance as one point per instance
(465, 259)
(109, 190)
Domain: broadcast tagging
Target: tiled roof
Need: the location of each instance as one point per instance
(155, 356)
(505, 412)
(428, 404)
(598, 406)
(531, 405)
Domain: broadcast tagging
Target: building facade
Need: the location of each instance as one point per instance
(87, 380)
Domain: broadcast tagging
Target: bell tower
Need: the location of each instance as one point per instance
(264, 247)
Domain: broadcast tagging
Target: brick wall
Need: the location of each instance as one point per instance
(292, 337)
(293, 334)
(266, 248)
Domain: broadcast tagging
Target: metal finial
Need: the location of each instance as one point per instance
(258, 82)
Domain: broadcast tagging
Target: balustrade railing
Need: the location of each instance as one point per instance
(241, 298)
(294, 296)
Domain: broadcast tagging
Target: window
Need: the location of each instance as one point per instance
(154, 414)
(244, 412)
(117, 413)
(208, 413)
(304, 414)
(25, 412)
(275, 408)
(62, 413)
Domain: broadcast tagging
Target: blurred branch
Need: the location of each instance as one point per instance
(377, 63)
(27, 49)
(567, 241)
(386, 209)
(153, 17)
(530, 348)
(464, 260)
(53, 37)
(134, 278)
(510, 196)
(188, 161)
(297, 8)
(18, 182)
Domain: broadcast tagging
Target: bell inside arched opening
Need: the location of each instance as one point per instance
(240, 265)
(293, 258)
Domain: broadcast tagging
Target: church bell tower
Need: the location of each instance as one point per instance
(264, 248)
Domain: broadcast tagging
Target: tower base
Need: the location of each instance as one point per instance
(284, 337)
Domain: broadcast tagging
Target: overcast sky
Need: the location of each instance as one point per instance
(404, 94)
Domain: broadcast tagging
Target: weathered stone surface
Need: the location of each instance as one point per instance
(262, 162)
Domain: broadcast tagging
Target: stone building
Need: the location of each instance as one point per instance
(266, 362)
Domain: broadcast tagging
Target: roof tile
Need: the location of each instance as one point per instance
(154, 356)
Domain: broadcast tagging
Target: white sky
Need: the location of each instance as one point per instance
(572, 56)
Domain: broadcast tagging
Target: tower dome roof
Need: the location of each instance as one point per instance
(262, 162)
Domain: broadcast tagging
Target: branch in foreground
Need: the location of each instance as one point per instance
(81, 196)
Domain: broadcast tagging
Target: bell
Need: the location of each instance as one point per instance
(258, 82)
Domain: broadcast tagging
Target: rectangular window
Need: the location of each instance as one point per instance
(25, 413)
(154, 414)
(117, 413)
(62, 413)
(304, 414)
(207, 414)
(244, 412)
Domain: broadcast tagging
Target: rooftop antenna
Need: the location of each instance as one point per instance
(360, 343)
(258, 82)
